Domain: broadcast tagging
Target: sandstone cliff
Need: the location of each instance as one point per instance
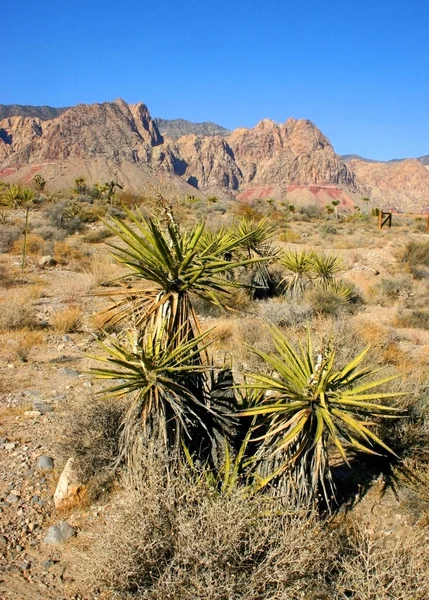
(116, 139)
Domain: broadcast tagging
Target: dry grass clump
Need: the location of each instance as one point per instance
(35, 245)
(17, 311)
(373, 567)
(101, 270)
(90, 435)
(7, 274)
(23, 342)
(68, 320)
(173, 537)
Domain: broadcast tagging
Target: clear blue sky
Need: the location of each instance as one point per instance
(359, 70)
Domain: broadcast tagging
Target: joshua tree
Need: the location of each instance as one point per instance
(335, 204)
(39, 182)
(80, 186)
(110, 188)
(17, 196)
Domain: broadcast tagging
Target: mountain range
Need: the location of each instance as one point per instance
(116, 139)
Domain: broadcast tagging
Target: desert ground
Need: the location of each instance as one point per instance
(52, 408)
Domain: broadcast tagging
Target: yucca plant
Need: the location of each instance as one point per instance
(255, 241)
(171, 265)
(168, 404)
(311, 409)
(299, 267)
(325, 267)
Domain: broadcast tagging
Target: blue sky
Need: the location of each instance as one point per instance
(359, 70)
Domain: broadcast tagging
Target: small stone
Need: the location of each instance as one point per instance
(69, 372)
(46, 463)
(24, 566)
(47, 564)
(47, 261)
(32, 413)
(58, 534)
(12, 498)
(66, 338)
(42, 408)
(10, 446)
(3, 540)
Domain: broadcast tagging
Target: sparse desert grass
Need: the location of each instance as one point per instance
(68, 320)
(23, 342)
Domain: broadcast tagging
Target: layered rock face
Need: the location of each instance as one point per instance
(401, 186)
(116, 139)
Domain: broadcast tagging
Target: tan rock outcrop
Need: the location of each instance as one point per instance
(115, 139)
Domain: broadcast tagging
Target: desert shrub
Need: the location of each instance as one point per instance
(393, 288)
(415, 319)
(327, 229)
(326, 301)
(372, 566)
(97, 235)
(311, 211)
(68, 320)
(65, 215)
(194, 544)
(90, 435)
(416, 255)
(282, 313)
(50, 233)
(8, 235)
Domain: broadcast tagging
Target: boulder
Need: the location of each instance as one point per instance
(47, 261)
